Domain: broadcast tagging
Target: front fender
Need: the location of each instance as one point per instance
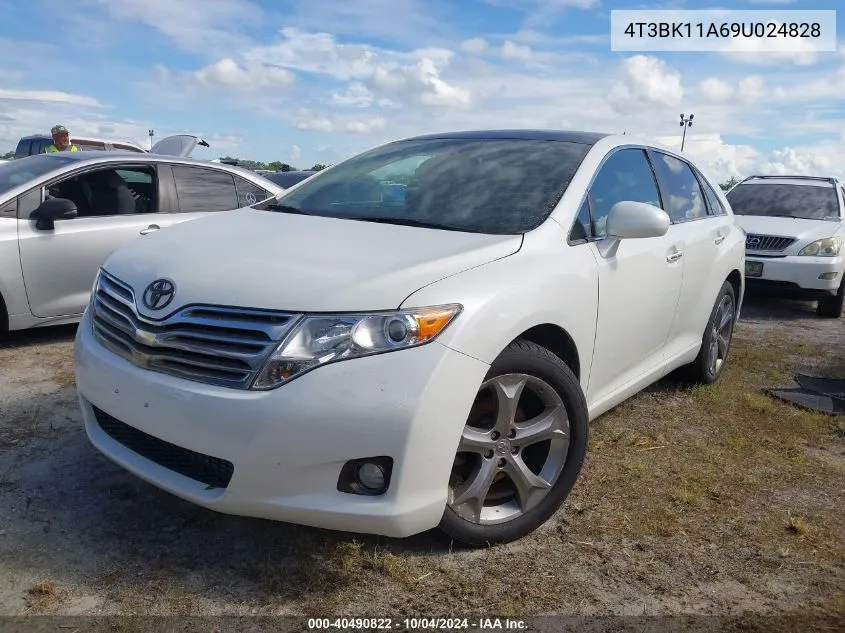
(11, 277)
(546, 282)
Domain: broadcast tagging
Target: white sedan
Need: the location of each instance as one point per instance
(385, 363)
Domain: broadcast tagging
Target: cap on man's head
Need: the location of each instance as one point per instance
(58, 129)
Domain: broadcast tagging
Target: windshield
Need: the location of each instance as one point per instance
(22, 170)
(810, 202)
(496, 186)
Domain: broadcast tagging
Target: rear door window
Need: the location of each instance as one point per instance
(683, 197)
(200, 189)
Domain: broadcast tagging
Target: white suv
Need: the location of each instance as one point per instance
(796, 229)
(356, 357)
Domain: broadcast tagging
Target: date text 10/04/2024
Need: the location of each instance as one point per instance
(411, 624)
(725, 30)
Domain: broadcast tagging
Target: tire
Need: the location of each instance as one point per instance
(705, 369)
(506, 434)
(832, 307)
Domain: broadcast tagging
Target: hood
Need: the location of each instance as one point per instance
(804, 230)
(178, 145)
(268, 260)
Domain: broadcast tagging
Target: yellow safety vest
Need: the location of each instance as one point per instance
(53, 148)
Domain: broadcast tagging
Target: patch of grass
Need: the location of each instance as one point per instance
(43, 596)
(636, 469)
(759, 403)
(797, 525)
(687, 498)
(353, 556)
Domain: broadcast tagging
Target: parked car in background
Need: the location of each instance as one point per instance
(390, 364)
(176, 145)
(796, 229)
(287, 179)
(62, 214)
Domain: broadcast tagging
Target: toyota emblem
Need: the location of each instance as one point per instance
(753, 240)
(159, 294)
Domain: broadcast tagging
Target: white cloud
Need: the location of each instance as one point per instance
(416, 75)
(475, 46)
(715, 89)
(751, 88)
(295, 152)
(314, 123)
(367, 126)
(511, 50)
(200, 26)
(227, 72)
(791, 161)
(48, 96)
(647, 80)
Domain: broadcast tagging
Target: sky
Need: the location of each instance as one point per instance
(308, 81)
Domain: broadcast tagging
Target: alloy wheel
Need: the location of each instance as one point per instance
(512, 450)
(720, 335)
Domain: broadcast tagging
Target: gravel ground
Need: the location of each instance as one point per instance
(653, 527)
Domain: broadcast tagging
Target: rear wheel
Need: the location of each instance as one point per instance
(831, 307)
(716, 342)
(521, 449)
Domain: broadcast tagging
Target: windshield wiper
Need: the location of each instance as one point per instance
(410, 222)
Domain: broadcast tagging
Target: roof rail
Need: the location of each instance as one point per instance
(791, 177)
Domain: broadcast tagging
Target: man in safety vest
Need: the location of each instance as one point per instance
(61, 141)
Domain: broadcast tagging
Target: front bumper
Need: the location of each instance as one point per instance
(801, 272)
(288, 445)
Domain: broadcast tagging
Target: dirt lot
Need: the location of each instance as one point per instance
(714, 500)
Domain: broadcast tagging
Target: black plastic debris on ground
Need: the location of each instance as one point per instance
(825, 395)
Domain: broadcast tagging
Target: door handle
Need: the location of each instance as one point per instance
(674, 256)
(150, 229)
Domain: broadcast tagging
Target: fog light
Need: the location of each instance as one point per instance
(366, 476)
(371, 476)
(828, 276)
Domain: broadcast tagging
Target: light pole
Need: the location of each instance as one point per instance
(151, 137)
(685, 123)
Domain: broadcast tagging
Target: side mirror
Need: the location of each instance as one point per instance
(629, 220)
(53, 209)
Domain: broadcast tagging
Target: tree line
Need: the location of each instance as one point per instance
(276, 165)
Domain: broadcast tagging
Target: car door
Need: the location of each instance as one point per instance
(638, 286)
(201, 190)
(115, 203)
(699, 219)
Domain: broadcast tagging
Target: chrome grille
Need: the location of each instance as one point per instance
(210, 344)
(767, 242)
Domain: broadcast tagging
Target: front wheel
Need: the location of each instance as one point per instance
(521, 449)
(831, 307)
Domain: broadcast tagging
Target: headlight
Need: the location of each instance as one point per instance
(828, 247)
(319, 340)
